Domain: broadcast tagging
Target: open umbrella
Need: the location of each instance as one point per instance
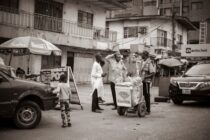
(28, 45)
(170, 62)
(33, 44)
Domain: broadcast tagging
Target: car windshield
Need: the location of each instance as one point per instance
(199, 70)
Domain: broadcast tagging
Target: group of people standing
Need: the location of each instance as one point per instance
(117, 71)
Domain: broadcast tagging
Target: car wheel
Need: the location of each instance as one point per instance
(142, 109)
(177, 101)
(27, 115)
(121, 110)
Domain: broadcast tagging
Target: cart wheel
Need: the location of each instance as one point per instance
(121, 110)
(142, 109)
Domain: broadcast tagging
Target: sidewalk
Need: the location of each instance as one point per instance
(85, 91)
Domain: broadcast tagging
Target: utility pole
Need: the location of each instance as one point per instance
(173, 29)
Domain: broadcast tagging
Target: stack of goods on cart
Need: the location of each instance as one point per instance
(135, 81)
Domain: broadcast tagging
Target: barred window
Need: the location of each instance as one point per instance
(150, 3)
(85, 19)
(134, 31)
(9, 5)
(48, 15)
(196, 5)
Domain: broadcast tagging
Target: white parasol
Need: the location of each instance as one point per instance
(170, 62)
(33, 44)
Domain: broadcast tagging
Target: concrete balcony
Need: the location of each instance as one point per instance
(15, 23)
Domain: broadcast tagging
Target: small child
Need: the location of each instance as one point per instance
(64, 95)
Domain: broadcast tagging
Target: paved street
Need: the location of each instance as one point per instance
(166, 122)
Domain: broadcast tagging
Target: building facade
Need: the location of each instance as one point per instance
(196, 10)
(76, 27)
(153, 32)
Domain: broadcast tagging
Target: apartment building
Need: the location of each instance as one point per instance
(196, 10)
(150, 32)
(77, 27)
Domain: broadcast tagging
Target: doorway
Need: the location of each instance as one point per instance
(70, 60)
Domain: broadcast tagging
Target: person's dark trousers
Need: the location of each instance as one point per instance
(95, 100)
(146, 93)
(113, 93)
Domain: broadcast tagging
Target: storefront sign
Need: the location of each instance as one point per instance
(16, 52)
(195, 50)
(52, 76)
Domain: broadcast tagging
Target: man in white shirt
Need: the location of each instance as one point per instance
(117, 69)
(97, 83)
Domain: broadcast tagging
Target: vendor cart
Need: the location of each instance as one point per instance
(130, 99)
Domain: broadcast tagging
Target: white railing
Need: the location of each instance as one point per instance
(47, 23)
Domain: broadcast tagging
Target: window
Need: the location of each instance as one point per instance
(168, 11)
(85, 19)
(158, 51)
(51, 61)
(9, 5)
(161, 12)
(165, 1)
(179, 39)
(196, 5)
(176, 10)
(185, 10)
(134, 31)
(162, 38)
(150, 3)
(48, 15)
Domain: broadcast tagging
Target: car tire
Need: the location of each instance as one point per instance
(27, 115)
(177, 101)
(121, 110)
(142, 109)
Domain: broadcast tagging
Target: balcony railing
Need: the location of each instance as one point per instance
(42, 22)
(160, 42)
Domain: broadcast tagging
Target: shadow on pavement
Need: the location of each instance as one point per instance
(6, 123)
(204, 104)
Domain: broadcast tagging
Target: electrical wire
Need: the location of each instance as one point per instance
(146, 34)
(142, 36)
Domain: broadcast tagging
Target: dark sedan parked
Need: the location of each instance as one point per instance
(23, 100)
(193, 85)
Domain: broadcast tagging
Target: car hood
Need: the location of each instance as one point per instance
(192, 79)
(27, 84)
